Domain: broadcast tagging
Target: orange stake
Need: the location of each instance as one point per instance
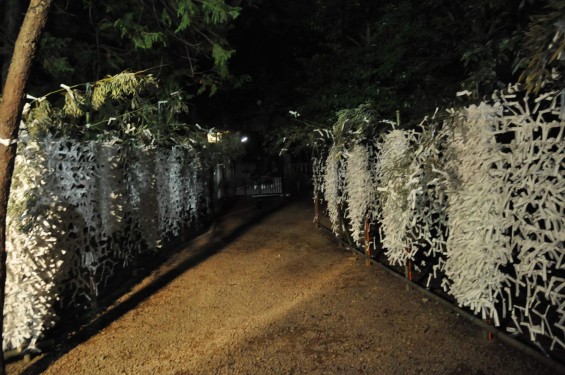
(340, 226)
(317, 211)
(367, 243)
(489, 333)
(408, 273)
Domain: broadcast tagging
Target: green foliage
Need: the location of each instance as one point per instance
(39, 118)
(221, 57)
(184, 39)
(74, 101)
(398, 55)
(395, 55)
(53, 56)
(291, 136)
(186, 9)
(126, 84)
(217, 11)
(543, 46)
(127, 107)
(137, 33)
(494, 29)
(355, 125)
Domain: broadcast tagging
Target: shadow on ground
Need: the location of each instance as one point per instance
(227, 228)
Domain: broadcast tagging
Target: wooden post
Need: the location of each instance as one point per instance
(340, 226)
(367, 243)
(374, 252)
(408, 273)
(317, 211)
(488, 334)
(93, 294)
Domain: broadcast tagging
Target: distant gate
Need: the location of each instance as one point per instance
(262, 187)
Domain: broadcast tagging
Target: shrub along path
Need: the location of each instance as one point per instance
(280, 298)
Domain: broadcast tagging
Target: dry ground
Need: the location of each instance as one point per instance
(281, 298)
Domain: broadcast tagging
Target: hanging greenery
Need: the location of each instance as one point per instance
(125, 108)
(543, 49)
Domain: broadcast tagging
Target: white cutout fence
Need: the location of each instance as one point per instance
(476, 200)
(80, 212)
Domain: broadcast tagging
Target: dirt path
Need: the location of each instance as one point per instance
(283, 299)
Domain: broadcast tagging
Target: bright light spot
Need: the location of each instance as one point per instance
(214, 137)
(244, 139)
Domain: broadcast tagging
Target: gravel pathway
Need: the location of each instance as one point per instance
(282, 299)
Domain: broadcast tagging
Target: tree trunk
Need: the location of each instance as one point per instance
(12, 10)
(10, 116)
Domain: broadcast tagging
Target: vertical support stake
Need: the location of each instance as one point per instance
(488, 334)
(317, 211)
(340, 226)
(562, 109)
(408, 274)
(94, 300)
(374, 253)
(367, 243)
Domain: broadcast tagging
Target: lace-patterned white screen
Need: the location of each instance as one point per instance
(80, 211)
(480, 205)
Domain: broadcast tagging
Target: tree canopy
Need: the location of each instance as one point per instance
(314, 56)
(183, 40)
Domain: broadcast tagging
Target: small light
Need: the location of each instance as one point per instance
(244, 139)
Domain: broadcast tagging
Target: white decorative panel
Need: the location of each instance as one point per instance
(80, 211)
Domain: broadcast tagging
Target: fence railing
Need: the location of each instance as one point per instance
(267, 186)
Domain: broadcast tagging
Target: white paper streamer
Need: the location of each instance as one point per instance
(80, 211)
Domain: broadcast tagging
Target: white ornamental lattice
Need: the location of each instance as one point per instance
(394, 209)
(484, 197)
(79, 211)
(360, 191)
(334, 182)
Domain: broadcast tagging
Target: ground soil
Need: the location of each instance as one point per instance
(278, 297)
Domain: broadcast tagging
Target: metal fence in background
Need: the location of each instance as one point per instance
(263, 187)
